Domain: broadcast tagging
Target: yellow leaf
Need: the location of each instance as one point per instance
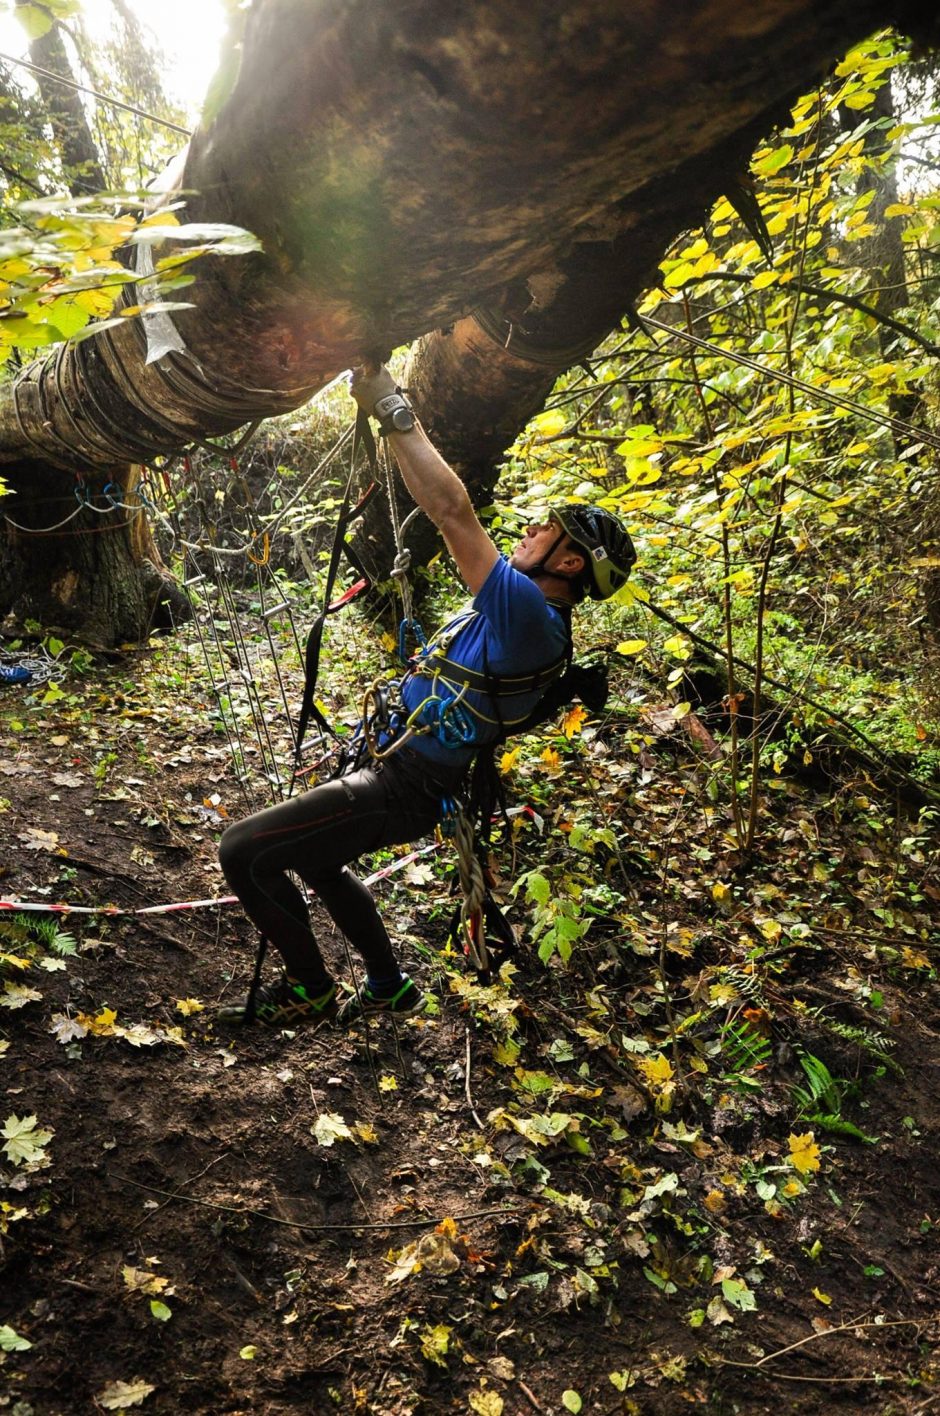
(448, 1227)
(804, 1153)
(721, 892)
(486, 1403)
(550, 424)
(771, 930)
(574, 718)
(101, 1025)
(914, 958)
(143, 1281)
(508, 761)
(657, 1071)
(387, 1083)
(631, 646)
(366, 1133)
(551, 759)
(186, 1006)
(822, 1297)
(715, 1201)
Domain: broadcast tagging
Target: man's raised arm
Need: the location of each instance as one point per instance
(435, 487)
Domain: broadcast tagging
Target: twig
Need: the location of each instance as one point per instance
(76, 1283)
(466, 1083)
(177, 1194)
(814, 1337)
(314, 1228)
(527, 1393)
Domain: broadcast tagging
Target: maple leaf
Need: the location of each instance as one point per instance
(120, 1395)
(139, 1036)
(804, 1153)
(143, 1281)
(25, 1140)
(574, 720)
(187, 1006)
(17, 995)
(434, 1343)
(551, 759)
(329, 1128)
(387, 1083)
(66, 1029)
(101, 1025)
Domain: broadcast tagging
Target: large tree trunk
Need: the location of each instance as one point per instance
(405, 164)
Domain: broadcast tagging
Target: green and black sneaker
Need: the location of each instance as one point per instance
(407, 1001)
(285, 1004)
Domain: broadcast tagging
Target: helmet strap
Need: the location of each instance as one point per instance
(541, 568)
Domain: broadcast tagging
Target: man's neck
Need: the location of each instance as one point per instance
(555, 587)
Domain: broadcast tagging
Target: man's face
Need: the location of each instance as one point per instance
(539, 538)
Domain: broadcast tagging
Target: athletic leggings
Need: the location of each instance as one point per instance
(316, 835)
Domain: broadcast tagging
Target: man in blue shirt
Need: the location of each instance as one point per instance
(484, 674)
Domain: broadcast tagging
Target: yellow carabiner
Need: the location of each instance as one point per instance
(265, 549)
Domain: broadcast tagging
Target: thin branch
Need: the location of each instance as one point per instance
(313, 1228)
(839, 297)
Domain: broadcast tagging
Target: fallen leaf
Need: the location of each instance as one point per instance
(25, 1140)
(329, 1128)
(17, 995)
(36, 840)
(188, 1006)
(121, 1395)
(66, 1029)
(387, 1083)
(486, 1403)
(10, 1341)
(143, 1281)
(573, 720)
(804, 1153)
(66, 779)
(822, 1297)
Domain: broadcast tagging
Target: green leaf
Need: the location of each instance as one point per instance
(160, 1310)
(571, 1401)
(25, 1140)
(11, 1341)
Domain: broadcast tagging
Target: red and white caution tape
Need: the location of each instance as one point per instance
(26, 906)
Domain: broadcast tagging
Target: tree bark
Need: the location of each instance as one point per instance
(67, 116)
(406, 164)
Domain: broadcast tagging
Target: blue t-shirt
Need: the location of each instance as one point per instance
(514, 631)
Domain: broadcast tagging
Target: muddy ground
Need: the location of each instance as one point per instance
(270, 1223)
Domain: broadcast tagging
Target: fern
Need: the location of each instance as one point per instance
(821, 1100)
(39, 929)
(744, 1049)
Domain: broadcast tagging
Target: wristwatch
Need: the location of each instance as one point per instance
(394, 414)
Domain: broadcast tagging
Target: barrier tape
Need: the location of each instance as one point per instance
(23, 906)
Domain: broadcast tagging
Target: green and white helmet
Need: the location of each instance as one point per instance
(607, 545)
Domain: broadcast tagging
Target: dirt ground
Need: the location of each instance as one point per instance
(270, 1223)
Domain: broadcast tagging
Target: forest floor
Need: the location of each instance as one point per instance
(625, 1185)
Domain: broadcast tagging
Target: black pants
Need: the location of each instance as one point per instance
(316, 835)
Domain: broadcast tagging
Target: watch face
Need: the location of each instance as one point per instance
(403, 420)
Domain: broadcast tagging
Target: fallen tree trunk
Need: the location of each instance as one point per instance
(406, 164)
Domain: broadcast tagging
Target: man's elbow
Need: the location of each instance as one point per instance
(454, 511)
